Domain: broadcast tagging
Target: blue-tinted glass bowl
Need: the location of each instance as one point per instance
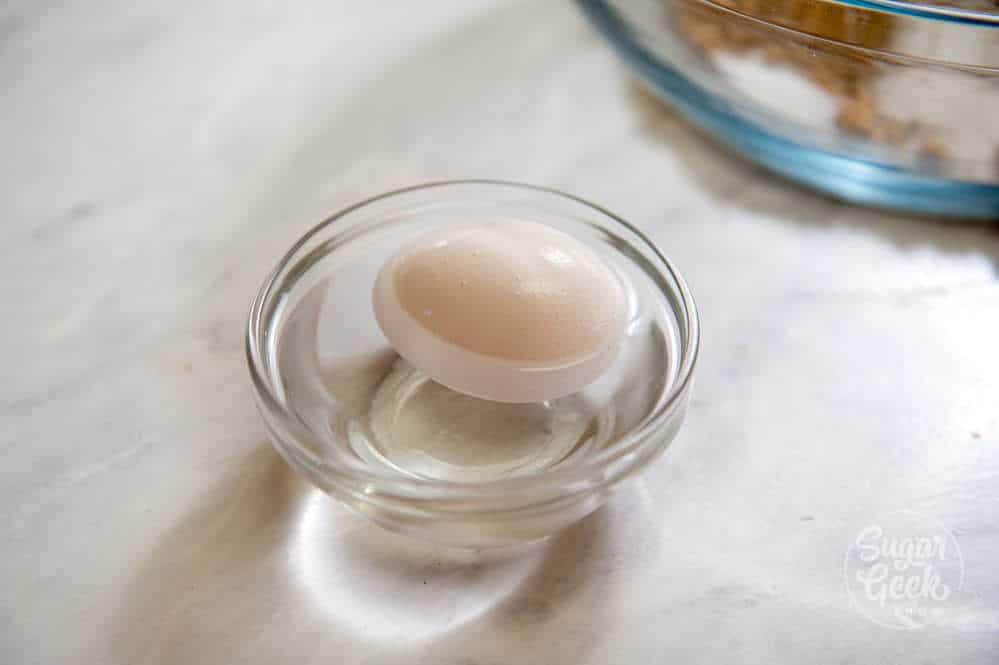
(934, 149)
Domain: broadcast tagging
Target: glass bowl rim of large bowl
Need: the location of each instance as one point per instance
(632, 451)
(946, 13)
(785, 18)
(920, 10)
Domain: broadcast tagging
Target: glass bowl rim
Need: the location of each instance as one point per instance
(631, 450)
(934, 12)
(950, 14)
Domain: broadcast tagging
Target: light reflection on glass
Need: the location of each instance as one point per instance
(384, 586)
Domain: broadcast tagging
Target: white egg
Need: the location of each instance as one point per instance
(506, 311)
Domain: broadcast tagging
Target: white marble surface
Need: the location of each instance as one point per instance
(158, 158)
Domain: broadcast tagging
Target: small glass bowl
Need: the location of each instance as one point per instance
(345, 411)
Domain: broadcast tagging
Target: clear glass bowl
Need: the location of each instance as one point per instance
(881, 102)
(361, 424)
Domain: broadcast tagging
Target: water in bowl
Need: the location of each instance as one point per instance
(361, 403)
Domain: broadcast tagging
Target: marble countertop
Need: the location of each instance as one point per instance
(159, 158)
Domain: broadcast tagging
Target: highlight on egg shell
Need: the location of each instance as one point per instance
(509, 311)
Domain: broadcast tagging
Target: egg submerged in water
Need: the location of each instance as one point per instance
(507, 311)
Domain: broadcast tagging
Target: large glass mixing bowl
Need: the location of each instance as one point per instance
(880, 102)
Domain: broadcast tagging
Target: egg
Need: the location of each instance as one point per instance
(509, 311)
